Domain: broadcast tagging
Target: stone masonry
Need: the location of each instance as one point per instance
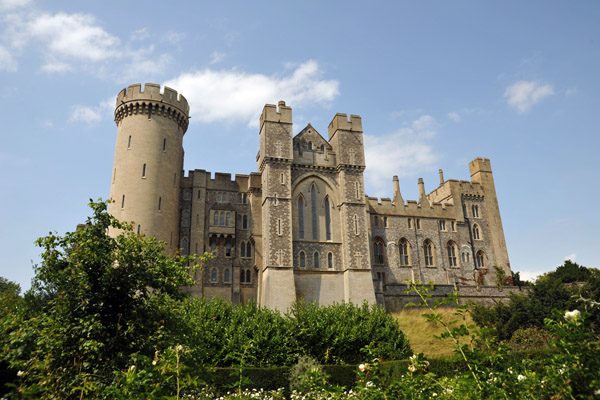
(301, 226)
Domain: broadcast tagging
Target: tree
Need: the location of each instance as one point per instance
(99, 301)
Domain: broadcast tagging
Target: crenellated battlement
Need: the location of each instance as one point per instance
(480, 165)
(271, 114)
(152, 92)
(341, 122)
(133, 101)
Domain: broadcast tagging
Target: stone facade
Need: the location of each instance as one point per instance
(302, 225)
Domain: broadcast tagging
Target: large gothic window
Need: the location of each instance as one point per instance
(315, 219)
(378, 251)
(404, 251)
(428, 253)
(452, 249)
(476, 232)
(327, 219)
(480, 259)
(301, 217)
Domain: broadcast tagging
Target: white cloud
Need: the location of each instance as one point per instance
(47, 124)
(404, 153)
(74, 36)
(12, 4)
(92, 115)
(454, 117)
(530, 276)
(139, 34)
(216, 57)
(571, 257)
(7, 61)
(231, 95)
(570, 92)
(523, 95)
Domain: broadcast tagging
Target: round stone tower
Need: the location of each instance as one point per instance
(148, 160)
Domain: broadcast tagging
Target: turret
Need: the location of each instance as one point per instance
(149, 160)
(481, 172)
(423, 201)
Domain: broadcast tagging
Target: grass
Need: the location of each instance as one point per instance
(420, 332)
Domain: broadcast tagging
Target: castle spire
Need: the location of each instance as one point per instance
(423, 201)
(397, 195)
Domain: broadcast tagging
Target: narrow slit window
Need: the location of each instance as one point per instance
(123, 201)
(327, 219)
(149, 111)
(245, 222)
(301, 217)
(313, 203)
(129, 142)
(302, 260)
(355, 224)
(330, 260)
(243, 249)
(159, 203)
(279, 227)
(249, 250)
(139, 229)
(144, 171)
(316, 260)
(165, 144)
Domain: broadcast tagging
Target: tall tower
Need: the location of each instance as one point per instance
(481, 172)
(276, 286)
(346, 138)
(148, 160)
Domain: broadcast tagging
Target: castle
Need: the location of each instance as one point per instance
(302, 225)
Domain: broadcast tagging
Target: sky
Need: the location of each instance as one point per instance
(437, 84)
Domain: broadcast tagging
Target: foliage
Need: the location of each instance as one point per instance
(96, 303)
(557, 290)
(334, 334)
(500, 276)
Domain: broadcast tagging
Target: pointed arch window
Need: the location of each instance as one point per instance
(327, 219)
(378, 251)
(216, 219)
(315, 219)
(475, 210)
(226, 276)
(213, 244)
(428, 253)
(302, 259)
(245, 222)
(330, 260)
(213, 275)
(404, 252)
(222, 219)
(476, 232)
(243, 249)
(242, 276)
(452, 249)
(248, 276)
(249, 250)
(228, 249)
(228, 217)
(186, 218)
(184, 247)
(480, 259)
(300, 217)
(316, 260)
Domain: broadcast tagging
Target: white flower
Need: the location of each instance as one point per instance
(361, 367)
(572, 315)
(521, 377)
(20, 373)
(180, 347)
(370, 384)
(132, 368)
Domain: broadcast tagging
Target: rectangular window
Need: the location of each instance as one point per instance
(442, 225)
(279, 227)
(453, 225)
(418, 223)
(199, 195)
(409, 223)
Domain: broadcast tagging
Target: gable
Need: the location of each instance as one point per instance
(310, 139)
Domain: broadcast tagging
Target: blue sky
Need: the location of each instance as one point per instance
(437, 83)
